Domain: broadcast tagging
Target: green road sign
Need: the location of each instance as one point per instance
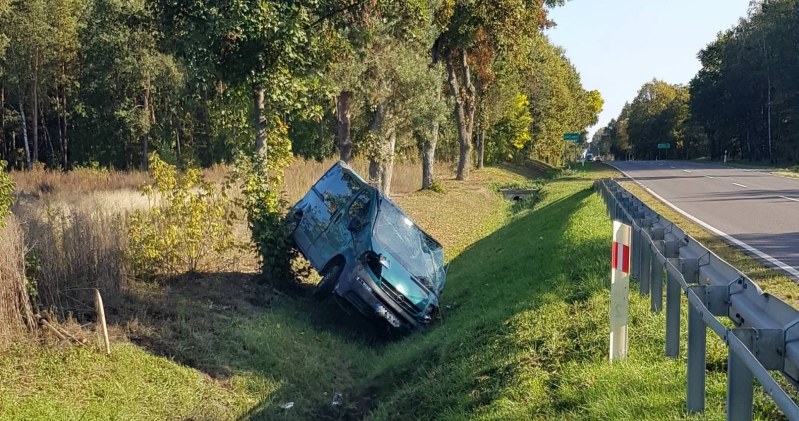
(664, 145)
(573, 137)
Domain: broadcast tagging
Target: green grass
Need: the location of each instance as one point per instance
(523, 336)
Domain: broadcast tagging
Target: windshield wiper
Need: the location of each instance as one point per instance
(422, 281)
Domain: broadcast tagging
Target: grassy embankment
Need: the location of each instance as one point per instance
(524, 335)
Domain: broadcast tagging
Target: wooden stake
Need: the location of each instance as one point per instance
(53, 329)
(98, 303)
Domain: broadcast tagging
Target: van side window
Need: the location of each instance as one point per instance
(360, 207)
(336, 189)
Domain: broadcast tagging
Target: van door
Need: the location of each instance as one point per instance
(322, 205)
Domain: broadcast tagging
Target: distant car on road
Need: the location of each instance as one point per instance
(589, 157)
(597, 159)
(368, 251)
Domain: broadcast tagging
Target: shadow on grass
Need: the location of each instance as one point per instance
(517, 269)
(227, 325)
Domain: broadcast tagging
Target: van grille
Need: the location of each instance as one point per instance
(398, 298)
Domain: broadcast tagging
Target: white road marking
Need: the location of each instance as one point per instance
(671, 166)
(789, 198)
(790, 270)
(740, 185)
(688, 171)
(709, 176)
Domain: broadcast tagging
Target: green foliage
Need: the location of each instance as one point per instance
(261, 185)
(187, 228)
(438, 186)
(511, 133)
(33, 270)
(6, 191)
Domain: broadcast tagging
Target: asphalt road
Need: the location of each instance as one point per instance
(755, 210)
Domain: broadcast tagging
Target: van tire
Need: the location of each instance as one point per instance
(329, 281)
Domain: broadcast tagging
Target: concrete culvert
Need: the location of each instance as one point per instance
(517, 194)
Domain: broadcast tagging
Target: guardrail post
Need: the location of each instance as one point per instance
(656, 278)
(645, 255)
(672, 302)
(697, 348)
(740, 382)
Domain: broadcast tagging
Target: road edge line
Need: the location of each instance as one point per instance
(777, 263)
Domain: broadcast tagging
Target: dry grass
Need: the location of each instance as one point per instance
(73, 249)
(16, 315)
(74, 225)
(41, 182)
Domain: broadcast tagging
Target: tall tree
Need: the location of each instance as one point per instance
(473, 31)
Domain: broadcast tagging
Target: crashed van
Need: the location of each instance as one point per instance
(370, 254)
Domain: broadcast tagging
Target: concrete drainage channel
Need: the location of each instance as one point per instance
(517, 194)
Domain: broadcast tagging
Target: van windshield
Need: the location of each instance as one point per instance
(410, 246)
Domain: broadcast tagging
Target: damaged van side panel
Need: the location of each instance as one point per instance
(369, 253)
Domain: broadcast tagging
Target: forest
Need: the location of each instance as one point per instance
(741, 105)
(102, 83)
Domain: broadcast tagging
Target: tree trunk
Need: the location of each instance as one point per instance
(259, 120)
(376, 157)
(51, 156)
(343, 138)
(429, 158)
(480, 149)
(145, 137)
(65, 138)
(61, 117)
(25, 136)
(3, 143)
(387, 163)
(204, 132)
(35, 119)
(465, 96)
(59, 122)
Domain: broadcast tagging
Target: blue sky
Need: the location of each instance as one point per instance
(618, 45)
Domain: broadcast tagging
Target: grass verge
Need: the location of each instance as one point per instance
(523, 335)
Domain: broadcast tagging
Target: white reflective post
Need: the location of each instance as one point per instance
(619, 290)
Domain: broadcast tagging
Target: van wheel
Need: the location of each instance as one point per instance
(325, 287)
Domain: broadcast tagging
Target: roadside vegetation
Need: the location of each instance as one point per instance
(522, 335)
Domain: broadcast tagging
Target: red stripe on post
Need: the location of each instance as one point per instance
(614, 258)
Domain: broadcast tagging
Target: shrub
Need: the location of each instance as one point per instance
(437, 186)
(261, 185)
(187, 228)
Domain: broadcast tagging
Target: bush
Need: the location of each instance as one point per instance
(261, 185)
(187, 228)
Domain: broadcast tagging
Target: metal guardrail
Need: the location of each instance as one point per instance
(765, 338)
